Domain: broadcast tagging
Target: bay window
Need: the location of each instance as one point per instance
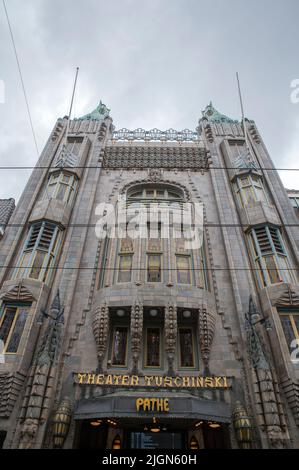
(62, 186)
(249, 189)
(270, 256)
(40, 252)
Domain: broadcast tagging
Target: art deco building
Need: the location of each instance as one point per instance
(148, 341)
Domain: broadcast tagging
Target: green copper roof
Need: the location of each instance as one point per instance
(213, 115)
(97, 114)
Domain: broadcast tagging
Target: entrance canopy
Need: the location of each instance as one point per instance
(178, 407)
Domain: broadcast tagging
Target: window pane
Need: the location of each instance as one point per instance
(183, 269)
(125, 268)
(17, 331)
(153, 347)
(119, 352)
(288, 330)
(37, 264)
(154, 268)
(9, 314)
(186, 347)
(61, 191)
(260, 194)
(272, 269)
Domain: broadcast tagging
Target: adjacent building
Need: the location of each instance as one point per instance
(111, 340)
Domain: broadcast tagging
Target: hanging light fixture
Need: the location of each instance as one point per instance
(116, 444)
(242, 425)
(213, 425)
(120, 312)
(153, 312)
(61, 422)
(155, 427)
(186, 314)
(96, 422)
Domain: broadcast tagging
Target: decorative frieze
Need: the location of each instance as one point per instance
(155, 134)
(270, 414)
(136, 333)
(100, 326)
(171, 329)
(144, 157)
(206, 323)
(40, 385)
(10, 386)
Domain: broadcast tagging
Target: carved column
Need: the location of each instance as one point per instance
(100, 326)
(270, 413)
(36, 403)
(136, 334)
(171, 329)
(206, 325)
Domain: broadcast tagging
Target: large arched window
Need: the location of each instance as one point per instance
(151, 247)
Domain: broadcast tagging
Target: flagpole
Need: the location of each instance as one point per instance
(71, 107)
(242, 112)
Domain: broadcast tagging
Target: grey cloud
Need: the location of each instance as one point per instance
(155, 64)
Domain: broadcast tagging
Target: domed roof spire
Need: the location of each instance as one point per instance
(213, 115)
(99, 113)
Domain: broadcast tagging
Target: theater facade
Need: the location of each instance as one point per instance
(174, 338)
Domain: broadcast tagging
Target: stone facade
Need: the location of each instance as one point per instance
(75, 301)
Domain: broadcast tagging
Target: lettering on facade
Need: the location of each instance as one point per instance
(155, 381)
(152, 404)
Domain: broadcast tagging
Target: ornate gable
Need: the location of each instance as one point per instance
(288, 298)
(18, 293)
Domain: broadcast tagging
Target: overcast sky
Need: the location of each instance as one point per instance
(155, 63)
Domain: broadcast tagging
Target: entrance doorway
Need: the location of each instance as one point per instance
(137, 433)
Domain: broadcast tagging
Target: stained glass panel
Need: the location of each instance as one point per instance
(153, 347)
(17, 331)
(186, 347)
(119, 348)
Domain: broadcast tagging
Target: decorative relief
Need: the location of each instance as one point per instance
(155, 175)
(36, 403)
(136, 334)
(57, 131)
(171, 328)
(291, 391)
(10, 387)
(143, 157)
(206, 323)
(100, 327)
(102, 132)
(289, 298)
(254, 133)
(18, 293)
(155, 134)
(270, 413)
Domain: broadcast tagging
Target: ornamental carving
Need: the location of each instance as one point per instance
(155, 134)
(144, 157)
(171, 328)
(155, 175)
(270, 412)
(18, 293)
(136, 334)
(206, 323)
(289, 298)
(100, 326)
(36, 403)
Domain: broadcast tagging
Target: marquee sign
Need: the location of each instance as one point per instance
(156, 381)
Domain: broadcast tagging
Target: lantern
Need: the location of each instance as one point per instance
(61, 422)
(242, 426)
